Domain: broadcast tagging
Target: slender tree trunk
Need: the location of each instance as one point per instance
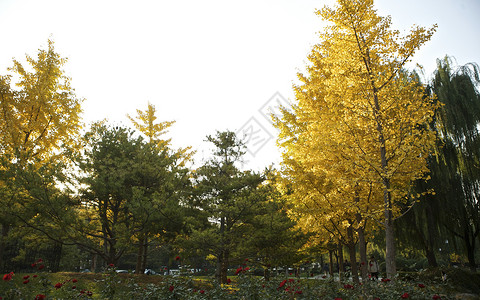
(470, 245)
(145, 254)
(330, 267)
(390, 250)
(390, 265)
(387, 199)
(225, 262)
(141, 255)
(353, 255)
(266, 274)
(93, 266)
(138, 265)
(431, 237)
(362, 248)
(341, 267)
(223, 257)
(56, 256)
(3, 241)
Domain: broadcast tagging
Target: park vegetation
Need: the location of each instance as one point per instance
(375, 162)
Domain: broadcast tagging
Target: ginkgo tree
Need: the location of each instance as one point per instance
(359, 118)
(40, 118)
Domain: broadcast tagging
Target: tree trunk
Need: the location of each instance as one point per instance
(362, 248)
(266, 274)
(431, 237)
(390, 265)
(222, 267)
(56, 257)
(3, 241)
(341, 267)
(93, 266)
(387, 199)
(353, 255)
(330, 267)
(138, 265)
(145, 254)
(223, 257)
(470, 245)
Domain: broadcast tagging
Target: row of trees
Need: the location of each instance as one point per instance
(112, 190)
(365, 144)
(364, 139)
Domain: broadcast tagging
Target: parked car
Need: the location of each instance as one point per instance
(150, 272)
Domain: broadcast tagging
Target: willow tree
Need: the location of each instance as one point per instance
(456, 171)
(363, 118)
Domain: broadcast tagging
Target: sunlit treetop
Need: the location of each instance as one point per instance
(40, 113)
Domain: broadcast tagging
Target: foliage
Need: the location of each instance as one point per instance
(130, 186)
(357, 134)
(39, 126)
(228, 196)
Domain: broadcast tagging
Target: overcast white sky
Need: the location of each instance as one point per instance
(209, 65)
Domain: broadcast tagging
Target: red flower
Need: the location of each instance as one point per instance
(58, 285)
(35, 276)
(291, 280)
(386, 279)
(338, 298)
(246, 269)
(74, 280)
(74, 287)
(41, 267)
(89, 293)
(282, 283)
(298, 292)
(246, 259)
(26, 276)
(348, 286)
(26, 281)
(111, 265)
(421, 285)
(8, 277)
(40, 297)
(34, 265)
(229, 281)
(170, 288)
(177, 257)
(363, 263)
(202, 292)
(405, 296)
(240, 269)
(436, 297)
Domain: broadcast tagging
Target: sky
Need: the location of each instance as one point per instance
(208, 65)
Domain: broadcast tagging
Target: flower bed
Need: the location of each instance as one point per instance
(111, 285)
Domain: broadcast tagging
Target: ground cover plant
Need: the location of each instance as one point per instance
(39, 284)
